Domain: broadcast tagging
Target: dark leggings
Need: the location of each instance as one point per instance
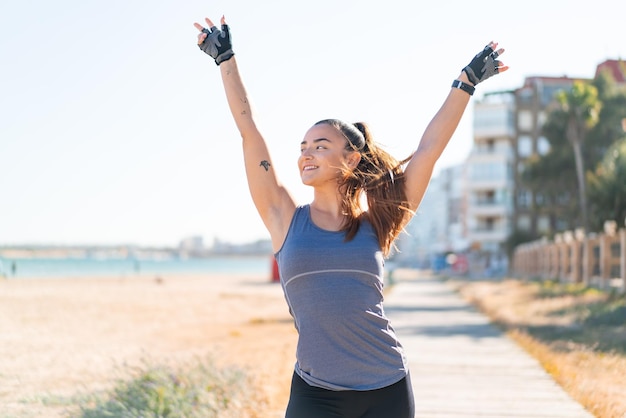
(394, 401)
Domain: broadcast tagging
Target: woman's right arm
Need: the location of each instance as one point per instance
(273, 202)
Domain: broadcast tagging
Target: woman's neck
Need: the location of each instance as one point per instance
(326, 212)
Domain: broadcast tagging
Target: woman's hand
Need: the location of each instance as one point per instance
(215, 42)
(485, 64)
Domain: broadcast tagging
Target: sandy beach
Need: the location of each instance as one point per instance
(60, 337)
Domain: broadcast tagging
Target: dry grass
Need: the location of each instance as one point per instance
(64, 339)
(578, 334)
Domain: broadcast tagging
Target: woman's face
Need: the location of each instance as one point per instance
(322, 156)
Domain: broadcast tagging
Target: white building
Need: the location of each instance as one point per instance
(439, 225)
(468, 207)
(490, 179)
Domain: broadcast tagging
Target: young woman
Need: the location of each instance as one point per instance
(349, 362)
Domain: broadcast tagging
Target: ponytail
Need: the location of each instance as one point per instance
(381, 177)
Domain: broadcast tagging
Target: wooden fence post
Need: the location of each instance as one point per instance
(622, 240)
(589, 258)
(574, 256)
(546, 258)
(566, 259)
(606, 241)
(579, 237)
(556, 258)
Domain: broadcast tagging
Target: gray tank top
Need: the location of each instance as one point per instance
(334, 290)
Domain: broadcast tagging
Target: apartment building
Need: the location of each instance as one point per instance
(531, 102)
(489, 184)
(439, 226)
(475, 206)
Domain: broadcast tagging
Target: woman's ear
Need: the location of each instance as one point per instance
(353, 159)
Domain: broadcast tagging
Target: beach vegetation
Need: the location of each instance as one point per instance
(193, 390)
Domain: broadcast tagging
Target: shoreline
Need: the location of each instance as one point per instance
(66, 336)
(232, 278)
(54, 268)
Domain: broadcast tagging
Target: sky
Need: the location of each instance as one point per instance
(114, 127)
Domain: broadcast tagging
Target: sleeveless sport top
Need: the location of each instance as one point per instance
(334, 290)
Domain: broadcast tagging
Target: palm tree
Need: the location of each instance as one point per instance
(581, 107)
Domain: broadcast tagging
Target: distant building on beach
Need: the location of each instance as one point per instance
(191, 247)
(192, 244)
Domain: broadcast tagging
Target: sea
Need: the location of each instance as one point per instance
(17, 268)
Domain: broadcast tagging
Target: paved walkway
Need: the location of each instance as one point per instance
(462, 366)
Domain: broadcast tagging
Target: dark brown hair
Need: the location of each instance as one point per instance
(381, 177)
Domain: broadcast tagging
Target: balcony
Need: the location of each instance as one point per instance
(503, 131)
(485, 234)
(489, 210)
(493, 120)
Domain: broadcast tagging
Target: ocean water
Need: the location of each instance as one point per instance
(89, 267)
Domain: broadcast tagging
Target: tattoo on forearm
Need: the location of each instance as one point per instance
(265, 164)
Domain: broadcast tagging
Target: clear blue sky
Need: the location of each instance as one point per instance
(114, 127)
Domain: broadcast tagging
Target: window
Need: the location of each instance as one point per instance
(488, 171)
(562, 224)
(523, 223)
(524, 198)
(541, 118)
(543, 224)
(525, 120)
(540, 199)
(526, 96)
(549, 92)
(543, 146)
(524, 146)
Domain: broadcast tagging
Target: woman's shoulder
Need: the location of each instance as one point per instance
(301, 211)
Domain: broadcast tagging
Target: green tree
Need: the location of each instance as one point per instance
(609, 129)
(552, 180)
(607, 187)
(581, 107)
(553, 177)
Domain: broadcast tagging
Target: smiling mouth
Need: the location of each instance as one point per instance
(309, 167)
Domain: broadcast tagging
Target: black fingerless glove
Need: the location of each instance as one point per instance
(217, 44)
(483, 66)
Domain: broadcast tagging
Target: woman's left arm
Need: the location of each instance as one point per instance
(440, 129)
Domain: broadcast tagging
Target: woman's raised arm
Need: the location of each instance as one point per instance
(273, 202)
(440, 129)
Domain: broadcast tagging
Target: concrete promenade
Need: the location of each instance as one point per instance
(462, 366)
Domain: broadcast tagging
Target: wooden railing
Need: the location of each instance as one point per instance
(597, 260)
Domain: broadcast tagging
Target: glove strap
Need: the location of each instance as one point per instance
(458, 84)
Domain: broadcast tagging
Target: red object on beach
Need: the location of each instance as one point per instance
(275, 274)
